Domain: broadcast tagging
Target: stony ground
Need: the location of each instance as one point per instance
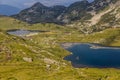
(40, 57)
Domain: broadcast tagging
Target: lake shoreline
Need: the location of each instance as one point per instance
(67, 45)
(24, 32)
(99, 56)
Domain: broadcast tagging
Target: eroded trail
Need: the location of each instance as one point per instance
(96, 18)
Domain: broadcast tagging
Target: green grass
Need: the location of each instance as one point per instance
(47, 46)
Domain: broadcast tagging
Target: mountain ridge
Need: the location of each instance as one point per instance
(40, 13)
(81, 10)
(87, 17)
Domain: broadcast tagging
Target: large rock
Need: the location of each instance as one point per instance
(27, 59)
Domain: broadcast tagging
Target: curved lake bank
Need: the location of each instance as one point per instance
(20, 32)
(92, 55)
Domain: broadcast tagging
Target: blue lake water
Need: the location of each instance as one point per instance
(93, 55)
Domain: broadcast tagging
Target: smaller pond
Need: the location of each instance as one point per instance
(92, 55)
(24, 32)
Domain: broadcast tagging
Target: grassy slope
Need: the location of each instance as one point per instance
(45, 51)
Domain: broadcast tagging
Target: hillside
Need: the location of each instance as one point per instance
(40, 13)
(81, 10)
(41, 56)
(103, 19)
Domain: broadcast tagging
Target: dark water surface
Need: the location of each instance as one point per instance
(93, 55)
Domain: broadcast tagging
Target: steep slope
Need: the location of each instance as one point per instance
(8, 10)
(55, 14)
(87, 17)
(106, 15)
(81, 10)
(40, 13)
(112, 18)
(75, 11)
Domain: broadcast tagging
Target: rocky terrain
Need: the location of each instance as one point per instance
(40, 13)
(82, 10)
(41, 57)
(87, 17)
(102, 17)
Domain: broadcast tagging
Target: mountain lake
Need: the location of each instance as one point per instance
(92, 55)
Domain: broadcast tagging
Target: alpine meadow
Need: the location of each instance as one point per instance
(60, 42)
